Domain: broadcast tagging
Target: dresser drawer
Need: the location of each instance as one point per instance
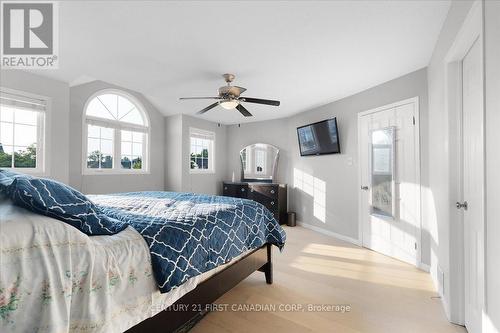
(270, 204)
(269, 191)
(235, 190)
(271, 196)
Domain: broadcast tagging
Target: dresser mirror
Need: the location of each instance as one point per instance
(259, 163)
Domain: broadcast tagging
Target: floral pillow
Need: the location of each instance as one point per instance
(57, 200)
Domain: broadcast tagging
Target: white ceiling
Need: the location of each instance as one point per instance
(303, 53)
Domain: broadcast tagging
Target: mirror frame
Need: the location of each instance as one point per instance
(275, 165)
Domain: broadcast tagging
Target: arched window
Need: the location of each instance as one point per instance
(116, 134)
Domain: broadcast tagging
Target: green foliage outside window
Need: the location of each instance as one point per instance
(135, 163)
(199, 161)
(96, 156)
(22, 158)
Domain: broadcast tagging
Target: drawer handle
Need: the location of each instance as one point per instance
(225, 187)
(272, 203)
(272, 191)
(242, 190)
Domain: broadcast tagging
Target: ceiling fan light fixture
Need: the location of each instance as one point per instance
(229, 97)
(229, 104)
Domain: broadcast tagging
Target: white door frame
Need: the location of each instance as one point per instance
(414, 101)
(471, 30)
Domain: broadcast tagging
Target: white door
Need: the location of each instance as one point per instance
(472, 203)
(390, 180)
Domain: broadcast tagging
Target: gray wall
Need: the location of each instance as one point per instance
(339, 172)
(113, 183)
(173, 153)
(57, 118)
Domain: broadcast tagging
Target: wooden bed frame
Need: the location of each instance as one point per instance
(187, 311)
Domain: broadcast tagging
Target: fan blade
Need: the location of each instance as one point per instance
(211, 106)
(182, 98)
(243, 111)
(259, 101)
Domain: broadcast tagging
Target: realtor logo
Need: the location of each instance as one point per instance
(29, 35)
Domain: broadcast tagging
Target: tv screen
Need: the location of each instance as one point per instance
(319, 138)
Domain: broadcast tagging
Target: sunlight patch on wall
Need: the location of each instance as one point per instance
(319, 190)
(314, 187)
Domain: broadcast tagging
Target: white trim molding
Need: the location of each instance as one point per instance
(424, 267)
(330, 233)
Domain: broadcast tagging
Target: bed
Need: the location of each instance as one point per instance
(54, 278)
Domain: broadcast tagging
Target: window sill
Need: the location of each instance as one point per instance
(199, 172)
(113, 173)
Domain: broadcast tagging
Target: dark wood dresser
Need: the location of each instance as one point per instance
(272, 196)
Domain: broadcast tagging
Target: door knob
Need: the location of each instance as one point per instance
(460, 205)
(364, 188)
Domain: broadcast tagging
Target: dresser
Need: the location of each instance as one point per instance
(272, 196)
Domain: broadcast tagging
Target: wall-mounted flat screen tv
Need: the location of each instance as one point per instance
(319, 138)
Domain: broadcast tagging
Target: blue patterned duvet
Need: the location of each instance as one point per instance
(189, 234)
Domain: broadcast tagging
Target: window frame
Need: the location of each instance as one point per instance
(118, 126)
(42, 128)
(211, 151)
(264, 161)
(248, 161)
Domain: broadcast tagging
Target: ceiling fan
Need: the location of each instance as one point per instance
(229, 98)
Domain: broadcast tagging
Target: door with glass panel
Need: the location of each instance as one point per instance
(390, 180)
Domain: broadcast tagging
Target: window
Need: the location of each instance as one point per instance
(22, 118)
(116, 134)
(382, 170)
(100, 147)
(132, 143)
(308, 141)
(202, 151)
(260, 160)
(245, 160)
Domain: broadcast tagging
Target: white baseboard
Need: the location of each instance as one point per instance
(424, 267)
(329, 233)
